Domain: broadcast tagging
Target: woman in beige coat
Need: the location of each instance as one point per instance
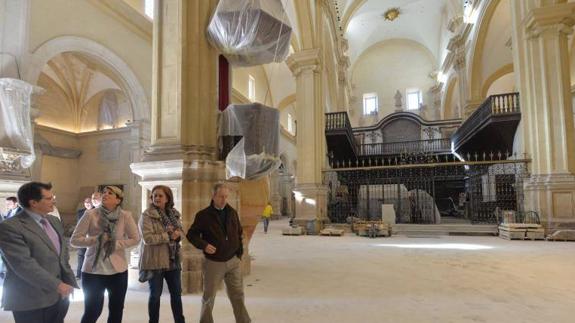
(107, 231)
(161, 230)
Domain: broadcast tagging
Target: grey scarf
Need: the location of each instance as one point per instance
(108, 220)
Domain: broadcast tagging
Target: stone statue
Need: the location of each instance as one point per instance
(398, 103)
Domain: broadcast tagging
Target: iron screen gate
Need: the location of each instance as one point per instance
(424, 192)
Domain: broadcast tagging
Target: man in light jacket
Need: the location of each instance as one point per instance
(38, 278)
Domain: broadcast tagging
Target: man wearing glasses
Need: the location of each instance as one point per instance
(38, 278)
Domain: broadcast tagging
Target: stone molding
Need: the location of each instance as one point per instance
(309, 59)
(558, 17)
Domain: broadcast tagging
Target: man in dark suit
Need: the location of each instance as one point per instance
(39, 279)
(12, 207)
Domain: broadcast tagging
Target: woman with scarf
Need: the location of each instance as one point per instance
(161, 230)
(107, 231)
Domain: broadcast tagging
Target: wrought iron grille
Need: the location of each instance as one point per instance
(423, 189)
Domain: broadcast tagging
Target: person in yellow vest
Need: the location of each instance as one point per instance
(266, 215)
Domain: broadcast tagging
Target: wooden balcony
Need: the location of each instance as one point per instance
(405, 147)
(339, 135)
(491, 127)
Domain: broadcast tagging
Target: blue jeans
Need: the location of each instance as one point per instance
(174, 280)
(266, 224)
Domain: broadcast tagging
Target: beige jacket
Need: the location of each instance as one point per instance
(154, 249)
(86, 235)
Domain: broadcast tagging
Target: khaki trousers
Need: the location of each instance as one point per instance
(230, 272)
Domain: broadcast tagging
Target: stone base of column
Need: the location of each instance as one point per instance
(553, 198)
(311, 207)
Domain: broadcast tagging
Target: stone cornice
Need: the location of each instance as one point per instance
(558, 17)
(309, 59)
(178, 169)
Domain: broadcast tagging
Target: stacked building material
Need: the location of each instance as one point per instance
(521, 231)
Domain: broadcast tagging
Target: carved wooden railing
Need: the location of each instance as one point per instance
(494, 105)
(392, 148)
(339, 122)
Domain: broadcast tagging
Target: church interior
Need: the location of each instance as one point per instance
(419, 155)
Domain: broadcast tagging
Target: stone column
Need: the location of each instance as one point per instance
(466, 104)
(310, 193)
(184, 114)
(542, 60)
(434, 110)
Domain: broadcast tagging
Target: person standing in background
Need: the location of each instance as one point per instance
(266, 215)
(12, 207)
(82, 251)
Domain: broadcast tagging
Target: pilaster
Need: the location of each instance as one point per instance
(310, 192)
(542, 59)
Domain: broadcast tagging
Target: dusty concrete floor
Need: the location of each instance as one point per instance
(399, 279)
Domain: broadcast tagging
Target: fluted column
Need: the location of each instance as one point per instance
(309, 191)
(542, 60)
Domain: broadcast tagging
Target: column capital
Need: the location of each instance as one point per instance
(560, 18)
(309, 59)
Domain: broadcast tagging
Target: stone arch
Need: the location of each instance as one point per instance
(43, 54)
(477, 46)
(285, 102)
(504, 70)
(447, 110)
(350, 12)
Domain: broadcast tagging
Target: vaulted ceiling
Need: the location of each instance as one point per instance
(82, 95)
(365, 26)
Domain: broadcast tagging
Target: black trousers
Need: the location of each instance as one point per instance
(174, 281)
(81, 255)
(51, 314)
(94, 287)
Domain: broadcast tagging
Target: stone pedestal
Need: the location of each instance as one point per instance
(554, 198)
(311, 207)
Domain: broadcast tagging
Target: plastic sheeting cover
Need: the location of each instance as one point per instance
(15, 123)
(256, 154)
(250, 32)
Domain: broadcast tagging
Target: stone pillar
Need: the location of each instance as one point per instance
(434, 110)
(542, 60)
(344, 83)
(310, 193)
(184, 114)
(467, 104)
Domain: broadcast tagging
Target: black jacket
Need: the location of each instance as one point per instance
(207, 228)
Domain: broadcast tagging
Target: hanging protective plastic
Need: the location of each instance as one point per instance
(250, 32)
(256, 154)
(16, 140)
